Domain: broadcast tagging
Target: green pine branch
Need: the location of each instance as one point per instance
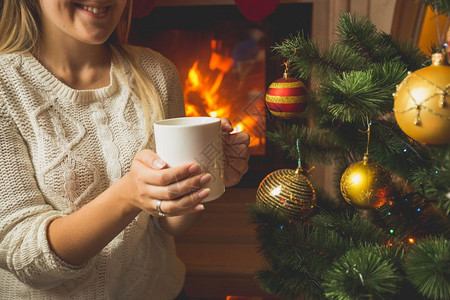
(363, 273)
(442, 6)
(336, 253)
(356, 96)
(315, 145)
(307, 58)
(361, 35)
(428, 268)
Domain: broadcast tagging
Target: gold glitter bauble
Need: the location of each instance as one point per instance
(365, 185)
(422, 103)
(289, 191)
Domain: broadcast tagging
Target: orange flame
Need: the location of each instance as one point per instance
(203, 96)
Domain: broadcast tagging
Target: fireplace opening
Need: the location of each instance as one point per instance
(225, 63)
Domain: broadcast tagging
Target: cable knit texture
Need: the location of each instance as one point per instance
(59, 149)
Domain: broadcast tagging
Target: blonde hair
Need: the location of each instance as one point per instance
(20, 19)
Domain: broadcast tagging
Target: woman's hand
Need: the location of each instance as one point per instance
(179, 188)
(236, 153)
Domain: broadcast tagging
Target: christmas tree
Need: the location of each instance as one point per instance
(389, 239)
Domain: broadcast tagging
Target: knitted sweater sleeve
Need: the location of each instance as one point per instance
(25, 215)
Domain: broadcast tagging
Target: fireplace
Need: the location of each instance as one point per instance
(226, 63)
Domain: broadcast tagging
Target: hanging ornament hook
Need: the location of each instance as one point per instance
(286, 69)
(366, 155)
(299, 161)
(287, 64)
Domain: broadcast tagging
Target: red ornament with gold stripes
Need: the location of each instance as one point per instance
(286, 97)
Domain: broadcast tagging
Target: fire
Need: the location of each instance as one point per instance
(199, 85)
(193, 75)
(206, 94)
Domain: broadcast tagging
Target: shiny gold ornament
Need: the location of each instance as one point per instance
(289, 191)
(422, 103)
(365, 185)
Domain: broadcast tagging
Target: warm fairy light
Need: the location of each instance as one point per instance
(411, 240)
(390, 244)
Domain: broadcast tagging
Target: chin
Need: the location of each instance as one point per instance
(94, 41)
(94, 38)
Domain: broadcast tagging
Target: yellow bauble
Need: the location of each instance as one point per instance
(422, 103)
(365, 185)
(289, 191)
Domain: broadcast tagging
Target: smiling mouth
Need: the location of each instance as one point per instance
(94, 10)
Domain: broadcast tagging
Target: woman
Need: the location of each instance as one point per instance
(82, 191)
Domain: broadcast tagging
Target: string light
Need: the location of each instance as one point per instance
(391, 231)
(419, 209)
(411, 240)
(405, 150)
(388, 213)
(281, 227)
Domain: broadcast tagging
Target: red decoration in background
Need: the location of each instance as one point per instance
(141, 8)
(256, 10)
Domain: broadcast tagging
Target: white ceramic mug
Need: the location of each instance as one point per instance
(193, 139)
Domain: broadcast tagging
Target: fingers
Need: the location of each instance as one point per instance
(241, 137)
(179, 188)
(237, 154)
(237, 151)
(226, 125)
(236, 146)
(238, 163)
(193, 209)
(177, 199)
(186, 204)
(150, 159)
(235, 169)
(155, 171)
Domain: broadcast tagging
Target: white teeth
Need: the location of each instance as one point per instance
(94, 10)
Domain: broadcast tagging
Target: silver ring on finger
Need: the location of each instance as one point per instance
(158, 208)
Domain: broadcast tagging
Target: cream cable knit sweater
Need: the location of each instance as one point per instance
(59, 149)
